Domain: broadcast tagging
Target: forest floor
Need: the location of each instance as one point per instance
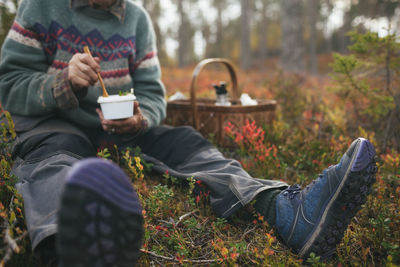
(309, 133)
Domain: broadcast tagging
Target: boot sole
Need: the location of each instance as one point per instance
(353, 191)
(93, 229)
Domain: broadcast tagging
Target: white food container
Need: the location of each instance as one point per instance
(117, 106)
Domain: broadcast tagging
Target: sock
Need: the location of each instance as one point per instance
(266, 205)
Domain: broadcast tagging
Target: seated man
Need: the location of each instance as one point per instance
(88, 205)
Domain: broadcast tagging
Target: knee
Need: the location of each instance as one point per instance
(72, 143)
(43, 145)
(187, 130)
(190, 137)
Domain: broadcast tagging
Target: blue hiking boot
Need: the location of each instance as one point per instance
(100, 220)
(314, 219)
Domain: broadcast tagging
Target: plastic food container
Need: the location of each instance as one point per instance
(116, 107)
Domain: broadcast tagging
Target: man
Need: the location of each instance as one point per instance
(50, 87)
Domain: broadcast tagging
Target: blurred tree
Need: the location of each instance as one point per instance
(221, 35)
(368, 9)
(348, 17)
(369, 80)
(325, 12)
(205, 30)
(154, 9)
(376, 8)
(231, 39)
(313, 11)
(182, 35)
(186, 33)
(263, 30)
(220, 5)
(292, 54)
(7, 14)
(245, 34)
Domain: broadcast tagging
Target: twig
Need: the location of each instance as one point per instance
(11, 245)
(248, 231)
(158, 263)
(176, 260)
(181, 218)
(21, 236)
(185, 216)
(372, 257)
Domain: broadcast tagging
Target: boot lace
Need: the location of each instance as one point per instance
(292, 191)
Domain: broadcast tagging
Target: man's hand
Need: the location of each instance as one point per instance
(82, 70)
(130, 125)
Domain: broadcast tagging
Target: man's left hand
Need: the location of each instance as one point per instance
(130, 125)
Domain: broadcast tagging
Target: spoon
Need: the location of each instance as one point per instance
(105, 94)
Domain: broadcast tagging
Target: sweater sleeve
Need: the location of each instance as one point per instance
(146, 74)
(25, 86)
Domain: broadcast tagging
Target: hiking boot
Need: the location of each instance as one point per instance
(100, 220)
(314, 219)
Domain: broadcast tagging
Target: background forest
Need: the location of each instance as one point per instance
(332, 65)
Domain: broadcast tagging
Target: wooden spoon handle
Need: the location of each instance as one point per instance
(105, 94)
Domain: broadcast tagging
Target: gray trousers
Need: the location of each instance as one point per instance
(46, 150)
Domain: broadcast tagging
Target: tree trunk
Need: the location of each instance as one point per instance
(245, 34)
(182, 36)
(206, 33)
(263, 41)
(344, 39)
(312, 15)
(346, 27)
(292, 55)
(219, 41)
(154, 9)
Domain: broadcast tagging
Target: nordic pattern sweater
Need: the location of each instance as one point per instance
(44, 37)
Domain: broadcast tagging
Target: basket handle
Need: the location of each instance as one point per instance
(195, 74)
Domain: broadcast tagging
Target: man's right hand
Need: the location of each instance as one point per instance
(82, 70)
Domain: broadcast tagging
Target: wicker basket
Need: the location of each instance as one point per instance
(210, 119)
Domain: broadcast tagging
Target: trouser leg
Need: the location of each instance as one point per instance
(185, 153)
(42, 163)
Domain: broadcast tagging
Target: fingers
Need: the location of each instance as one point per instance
(129, 125)
(100, 113)
(136, 108)
(105, 124)
(82, 70)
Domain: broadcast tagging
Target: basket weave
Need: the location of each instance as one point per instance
(209, 118)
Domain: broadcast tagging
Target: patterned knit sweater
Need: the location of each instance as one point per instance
(44, 37)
